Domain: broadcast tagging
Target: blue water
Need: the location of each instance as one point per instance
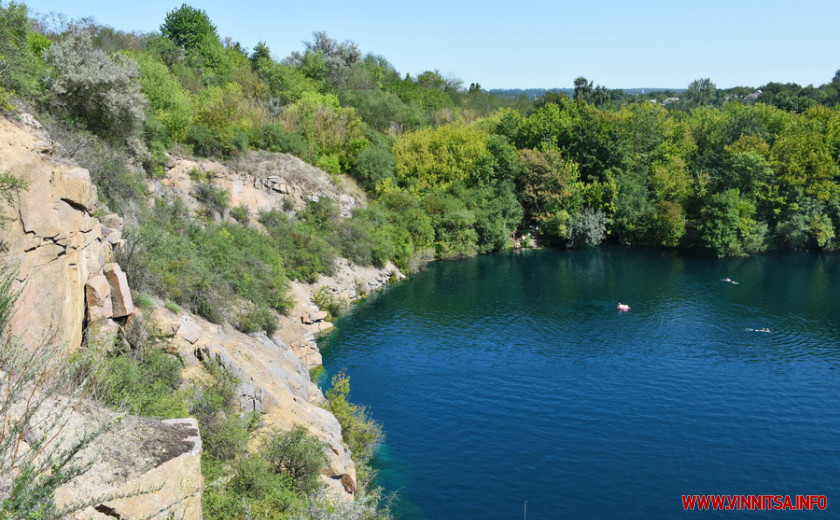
(508, 379)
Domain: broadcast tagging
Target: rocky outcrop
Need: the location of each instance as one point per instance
(68, 286)
(121, 302)
(51, 239)
(153, 466)
(273, 381)
(132, 467)
(259, 181)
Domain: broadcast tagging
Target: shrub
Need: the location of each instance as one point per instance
(224, 434)
(241, 214)
(588, 228)
(204, 141)
(10, 186)
(361, 433)
(256, 319)
(144, 384)
(373, 165)
(144, 301)
(325, 299)
(296, 454)
(213, 197)
(100, 90)
(274, 138)
(19, 54)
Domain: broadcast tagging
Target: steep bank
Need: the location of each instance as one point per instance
(63, 251)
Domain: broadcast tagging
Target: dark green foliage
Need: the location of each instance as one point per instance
(374, 165)
(206, 142)
(297, 455)
(188, 27)
(728, 228)
(274, 138)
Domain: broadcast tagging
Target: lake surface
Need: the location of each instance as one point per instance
(508, 379)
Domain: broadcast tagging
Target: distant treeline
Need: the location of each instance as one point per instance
(533, 94)
(452, 170)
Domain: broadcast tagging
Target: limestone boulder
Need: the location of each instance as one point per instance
(98, 298)
(120, 292)
(153, 465)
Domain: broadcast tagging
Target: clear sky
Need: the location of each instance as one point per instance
(532, 43)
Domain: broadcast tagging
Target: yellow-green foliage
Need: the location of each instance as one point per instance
(434, 158)
(360, 432)
(332, 131)
(224, 108)
(172, 104)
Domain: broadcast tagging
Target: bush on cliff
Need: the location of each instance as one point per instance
(361, 433)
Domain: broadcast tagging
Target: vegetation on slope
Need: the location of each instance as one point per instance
(450, 171)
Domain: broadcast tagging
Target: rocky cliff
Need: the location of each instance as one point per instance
(274, 370)
(62, 250)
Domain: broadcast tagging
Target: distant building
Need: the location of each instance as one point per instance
(670, 101)
(753, 96)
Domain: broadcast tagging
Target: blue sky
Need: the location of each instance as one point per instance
(533, 43)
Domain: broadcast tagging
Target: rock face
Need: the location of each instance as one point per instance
(259, 181)
(157, 464)
(50, 239)
(274, 382)
(62, 258)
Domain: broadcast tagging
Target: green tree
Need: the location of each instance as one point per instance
(434, 158)
(173, 106)
(549, 189)
(701, 92)
(188, 27)
(728, 227)
(332, 131)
